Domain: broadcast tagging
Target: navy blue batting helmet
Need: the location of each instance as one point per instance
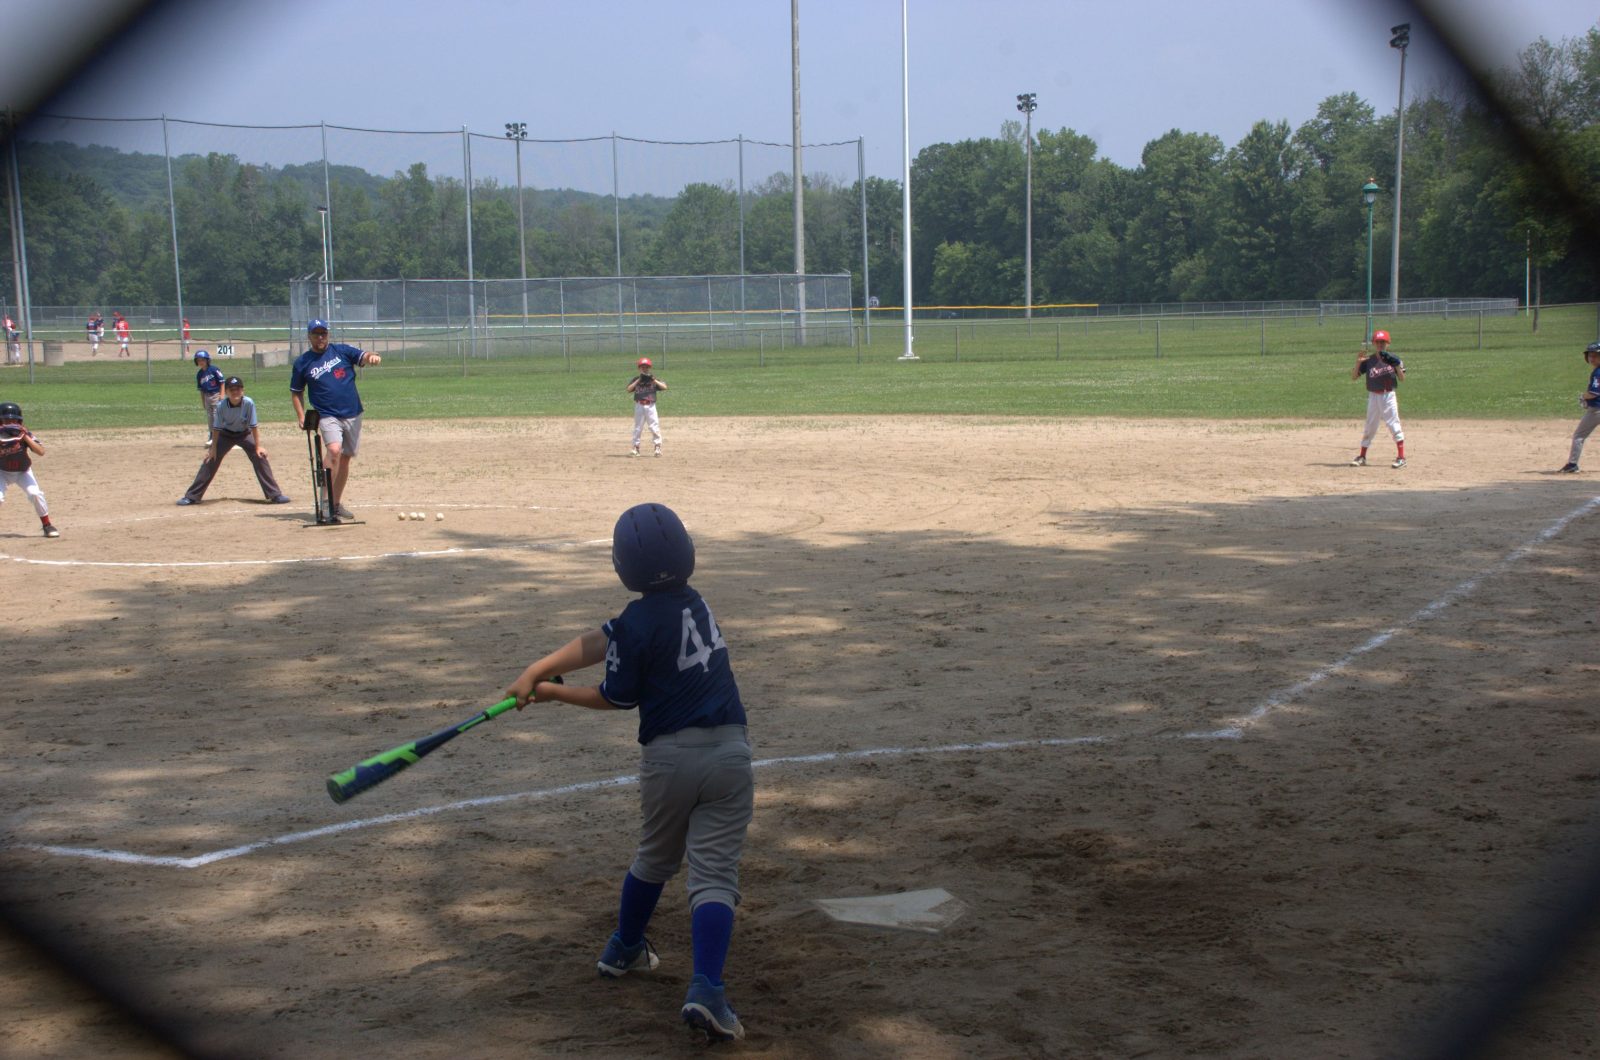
(651, 550)
(201, 355)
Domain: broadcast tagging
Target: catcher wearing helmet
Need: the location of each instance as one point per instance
(1589, 401)
(665, 657)
(18, 447)
(643, 387)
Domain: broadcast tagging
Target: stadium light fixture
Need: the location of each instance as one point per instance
(516, 132)
(1027, 103)
(1369, 195)
(1399, 39)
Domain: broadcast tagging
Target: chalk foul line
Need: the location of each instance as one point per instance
(1234, 731)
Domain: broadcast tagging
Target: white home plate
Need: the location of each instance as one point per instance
(931, 911)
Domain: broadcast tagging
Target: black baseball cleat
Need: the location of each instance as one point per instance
(51, 531)
(1568, 469)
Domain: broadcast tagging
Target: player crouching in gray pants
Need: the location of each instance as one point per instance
(665, 656)
(233, 422)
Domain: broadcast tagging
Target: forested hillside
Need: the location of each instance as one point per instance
(1277, 215)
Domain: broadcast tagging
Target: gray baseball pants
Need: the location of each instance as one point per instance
(697, 791)
(1586, 426)
(208, 468)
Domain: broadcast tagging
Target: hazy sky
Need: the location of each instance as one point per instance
(1120, 72)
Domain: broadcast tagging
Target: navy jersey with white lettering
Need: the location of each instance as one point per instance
(1594, 388)
(208, 380)
(666, 656)
(330, 376)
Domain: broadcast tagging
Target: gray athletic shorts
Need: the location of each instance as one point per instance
(697, 791)
(345, 433)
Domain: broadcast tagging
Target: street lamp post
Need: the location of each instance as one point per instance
(327, 310)
(516, 132)
(1369, 195)
(1400, 39)
(1027, 103)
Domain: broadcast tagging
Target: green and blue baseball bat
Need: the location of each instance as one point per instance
(380, 767)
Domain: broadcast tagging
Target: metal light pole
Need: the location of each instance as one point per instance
(517, 131)
(1369, 195)
(327, 310)
(1401, 38)
(1027, 103)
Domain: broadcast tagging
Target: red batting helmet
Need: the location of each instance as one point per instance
(1380, 336)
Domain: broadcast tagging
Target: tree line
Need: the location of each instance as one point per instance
(1489, 191)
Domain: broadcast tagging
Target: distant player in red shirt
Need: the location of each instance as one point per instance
(123, 334)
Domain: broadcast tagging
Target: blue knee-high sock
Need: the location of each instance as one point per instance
(633, 912)
(712, 930)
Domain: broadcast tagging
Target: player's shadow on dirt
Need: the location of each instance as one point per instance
(193, 715)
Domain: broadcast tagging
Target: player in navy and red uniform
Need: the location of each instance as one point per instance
(327, 371)
(1384, 371)
(207, 380)
(1589, 400)
(644, 387)
(665, 657)
(18, 447)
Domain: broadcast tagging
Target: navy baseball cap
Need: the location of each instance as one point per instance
(317, 325)
(233, 381)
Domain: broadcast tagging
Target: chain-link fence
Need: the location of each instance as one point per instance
(453, 320)
(174, 213)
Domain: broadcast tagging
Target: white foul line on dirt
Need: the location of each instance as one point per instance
(1233, 732)
(128, 858)
(415, 554)
(1423, 614)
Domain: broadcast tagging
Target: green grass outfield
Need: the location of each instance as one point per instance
(1206, 368)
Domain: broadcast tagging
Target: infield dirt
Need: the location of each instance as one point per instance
(1411, 652)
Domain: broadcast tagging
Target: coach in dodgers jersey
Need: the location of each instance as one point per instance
(327, 371)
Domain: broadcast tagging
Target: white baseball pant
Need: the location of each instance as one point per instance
(30, 486)
(643, 416)
(1382, 408)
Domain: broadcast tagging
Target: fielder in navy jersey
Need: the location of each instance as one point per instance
(1589, 401)
(326, 374)
(207, 380)
(665, 656)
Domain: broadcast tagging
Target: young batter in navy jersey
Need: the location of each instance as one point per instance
(1589, 401)
(327, 372)
(665, 657)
